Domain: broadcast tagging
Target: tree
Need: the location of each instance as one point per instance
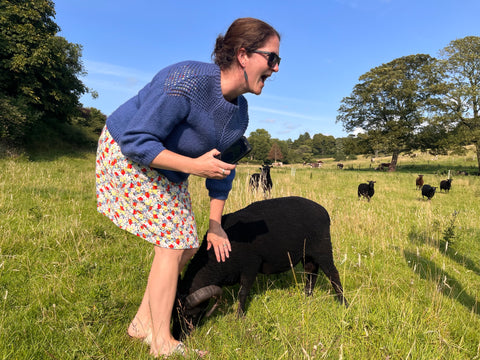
(275, 152)
(391, 102)
(38, 70)
(461, 59)
(260, 141)
(323, 145)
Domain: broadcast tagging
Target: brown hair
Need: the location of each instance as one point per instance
(247, 33)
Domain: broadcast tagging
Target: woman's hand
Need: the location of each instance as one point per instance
(218, 239)
(208, 166)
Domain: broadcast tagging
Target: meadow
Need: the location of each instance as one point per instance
(70, 281)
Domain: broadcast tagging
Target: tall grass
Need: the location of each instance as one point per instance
(70, 281)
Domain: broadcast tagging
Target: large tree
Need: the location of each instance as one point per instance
(38, 69)
(260, 140)
(461, 59)
(391, 101)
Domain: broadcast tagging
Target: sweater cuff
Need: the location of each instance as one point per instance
(219, 189)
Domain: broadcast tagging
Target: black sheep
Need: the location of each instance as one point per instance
(366, 190)
(262, 180)
(428, 191)
(446, 185)
(267, 237)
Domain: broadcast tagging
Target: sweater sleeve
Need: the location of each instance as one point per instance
(219, 189)
(155, 116)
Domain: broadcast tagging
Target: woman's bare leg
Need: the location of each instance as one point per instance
(154, 314)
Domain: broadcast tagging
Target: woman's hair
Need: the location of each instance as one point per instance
(247, 33)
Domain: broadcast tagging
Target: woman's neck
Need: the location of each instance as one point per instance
(232, 83)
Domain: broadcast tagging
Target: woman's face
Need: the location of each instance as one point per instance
(257, 67)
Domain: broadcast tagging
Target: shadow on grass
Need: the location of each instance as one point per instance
(421, 238)
(446, 284)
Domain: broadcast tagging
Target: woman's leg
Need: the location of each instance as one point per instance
(162, 288)
(153, 317)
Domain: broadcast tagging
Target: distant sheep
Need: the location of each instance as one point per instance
(366, 190)
(446, 185)
(262, 180)
(419, 182)
(268, 237)
(428, 191)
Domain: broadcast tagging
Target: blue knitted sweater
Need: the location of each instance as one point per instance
(183, 110)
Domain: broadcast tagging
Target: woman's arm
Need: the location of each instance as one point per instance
(216, 236)
(206, 166)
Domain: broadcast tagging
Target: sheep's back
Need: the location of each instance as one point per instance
(279, 230)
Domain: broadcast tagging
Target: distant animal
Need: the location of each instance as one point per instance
(428, 191)
(268, 237)
(385, 166)
(419, 182)
(340, 166)
(366, 190)
(317, 164)
(262, 180)
(446, 185)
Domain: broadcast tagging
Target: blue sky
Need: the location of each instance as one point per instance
(326, 46)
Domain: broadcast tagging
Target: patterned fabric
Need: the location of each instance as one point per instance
(142, 201)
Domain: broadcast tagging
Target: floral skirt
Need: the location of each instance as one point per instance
(141, 200)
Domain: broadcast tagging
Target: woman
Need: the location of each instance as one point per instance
(176, 126)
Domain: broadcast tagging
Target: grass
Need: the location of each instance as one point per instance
(70, 281)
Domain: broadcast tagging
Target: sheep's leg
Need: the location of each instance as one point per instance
(328, 267)
(311, 270)
(246, 283)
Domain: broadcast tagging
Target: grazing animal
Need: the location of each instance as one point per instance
(384, 166)
(446, 185)
(340, 166)
(268, 237)
(428, 191)
(419, 182)
(317, 164)
(262, 180)
(366, 190)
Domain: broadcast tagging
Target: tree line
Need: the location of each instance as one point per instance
(416, 102)
(40, 83)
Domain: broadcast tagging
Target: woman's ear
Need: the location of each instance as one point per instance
(242, 57)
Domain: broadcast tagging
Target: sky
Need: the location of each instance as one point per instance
(326, 45)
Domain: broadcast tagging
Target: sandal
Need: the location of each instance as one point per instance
(181, 349)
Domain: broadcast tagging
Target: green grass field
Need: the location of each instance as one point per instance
(70, 281)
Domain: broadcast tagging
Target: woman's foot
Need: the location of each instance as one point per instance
(136, 330)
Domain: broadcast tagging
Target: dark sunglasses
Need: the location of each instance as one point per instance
(272, 60)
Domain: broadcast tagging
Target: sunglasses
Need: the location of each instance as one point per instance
(272, 60)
